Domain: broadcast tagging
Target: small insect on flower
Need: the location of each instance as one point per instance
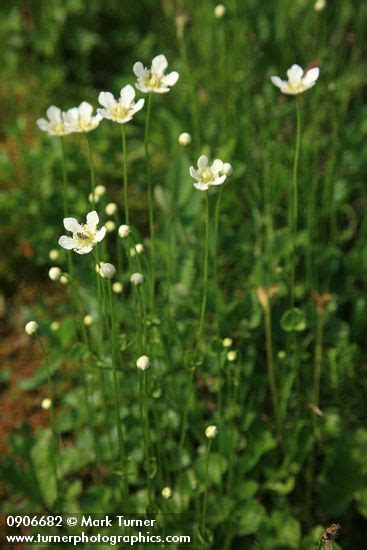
(54, 273)
(54, 125)
(297, 82)
(184, 139)
(121, 110)
(111, 208)
(206, 175)
(106, 270)
(143, 363)
(137, 279)
(81, 119)
(85, 237)
(154, 79)
(330, 533)
(31, 327)
(211, 432)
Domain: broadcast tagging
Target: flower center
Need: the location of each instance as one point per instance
(119, 111)
(85, 237)
(206, 175)
(153, 81)
(84, 125)
(58, 127)
(296, 86)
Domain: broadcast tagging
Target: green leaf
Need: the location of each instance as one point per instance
(293, 320)
(42, 461)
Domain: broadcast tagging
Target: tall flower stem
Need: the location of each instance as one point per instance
(124, 161)
(120, 435)
(294, 200)
(215, 261)
(201, 324)
(203, 521)
(65, 185)
(91, 170)
(270, 366)
(318, 357)
(150, 200)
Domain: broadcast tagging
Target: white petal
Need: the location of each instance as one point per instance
(42, 124)
(100, 235)
(71, 115)
(84, 249)
(85, 110)
(127, 95)
(92, 221)
(67, 242)
(219, 180)
(171, 78)
(141, 87)
(106, 99)
(277, 81)
(217, 166)
(193, 173)
(54, 114)
(202, 162)
(71, 224)
(311, 76)
(295, 73)
(201, 186)
(139, 105)
(139, 69)
(159, 65)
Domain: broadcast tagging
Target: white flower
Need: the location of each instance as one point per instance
(54, 273)
(54, 254)
(219, 11)
(88, 320)
(167, 493)
(81, 119)
(206, 175)
(55, 325)
(320, 5)
(106, 270)
(211, 432)
(137, 249)
(31, 327)
(232, 355)
(54, 125)
(46, 403)
(124, 231)
(154, 79)
(227, 169)
(227, 342)
(111, 208)
(85, 237)
(110, 226)
(297, 82)
(117, 287)
(184, 139)
(121, 110)
(143, 363)
(137, 279)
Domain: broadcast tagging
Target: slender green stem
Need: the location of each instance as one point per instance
(215, 261)
(124, 161)
(270, 367)
(91, 170)
(206, 485)
(150, 200)
(65, 186)
(294, 199)
(318, 357)
(120, 435)
(201, 325)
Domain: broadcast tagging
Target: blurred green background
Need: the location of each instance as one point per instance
(65, 51)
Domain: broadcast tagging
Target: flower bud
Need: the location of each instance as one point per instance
(137, 279)
(117, 287)
(31, 327)
(54, 254)
(111, 208)
(88, 320)
(96, 198)
(227, 342)
(219, 11)
(167, 493)
(320, 5)
(100, 190)
(64, 280)
(137, 249)
(110, 226)
(232, 355)
(46, 403)
(184, 139)
(54, 273)
(143, 363)
(55, 325)
(124, 231)
(211, 432)
(106, 270)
